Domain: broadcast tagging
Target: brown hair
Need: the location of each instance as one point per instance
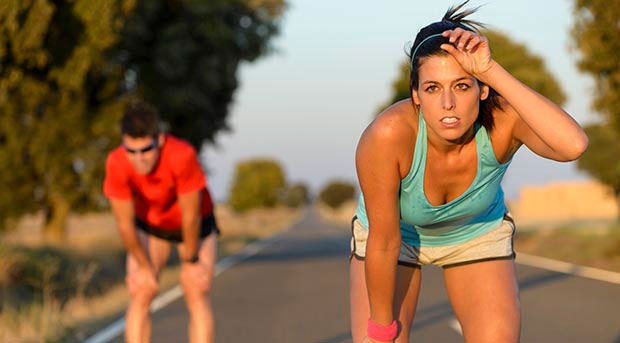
(451, 20)
(140, 120)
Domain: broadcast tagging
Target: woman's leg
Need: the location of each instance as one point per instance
(485, 299)
(405, 302)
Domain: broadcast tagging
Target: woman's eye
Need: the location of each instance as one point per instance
(462, 86)
(431, 88)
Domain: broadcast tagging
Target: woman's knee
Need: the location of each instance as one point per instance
(499, 330)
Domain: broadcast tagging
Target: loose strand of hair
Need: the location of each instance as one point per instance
(453, 15)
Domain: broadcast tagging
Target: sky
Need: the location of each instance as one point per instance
(306, 104)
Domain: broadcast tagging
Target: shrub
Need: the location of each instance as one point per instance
(257, 183)
(295, 195)
(337, 193)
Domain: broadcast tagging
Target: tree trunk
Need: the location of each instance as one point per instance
(55, 219)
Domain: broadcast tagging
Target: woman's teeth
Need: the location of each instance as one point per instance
(449, 120)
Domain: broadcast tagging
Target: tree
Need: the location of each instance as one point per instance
(596, 35)
(257, 183)
(295, 195)
(184, 56)
(514, 57)
(602, 159)
(59, 101)
(336, 193)
(66, 67)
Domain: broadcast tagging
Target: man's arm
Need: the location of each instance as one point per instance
(124, 213)
(190, 223)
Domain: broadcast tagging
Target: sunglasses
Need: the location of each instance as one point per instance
(147, 148)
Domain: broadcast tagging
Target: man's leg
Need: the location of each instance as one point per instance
(196, 280)
(137, 319)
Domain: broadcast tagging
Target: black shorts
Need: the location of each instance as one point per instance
(208, 225)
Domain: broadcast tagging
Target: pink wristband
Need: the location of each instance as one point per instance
(380, 332)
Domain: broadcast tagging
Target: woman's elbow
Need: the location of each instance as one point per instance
(577, 147)
(383, 244)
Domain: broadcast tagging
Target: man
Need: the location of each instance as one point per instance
(157, 191)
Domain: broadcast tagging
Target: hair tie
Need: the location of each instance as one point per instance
(422, 42)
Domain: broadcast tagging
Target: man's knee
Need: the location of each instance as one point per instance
(140, 293)
(196, 285)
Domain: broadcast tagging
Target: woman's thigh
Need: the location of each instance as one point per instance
(405, 302)
(485, 299)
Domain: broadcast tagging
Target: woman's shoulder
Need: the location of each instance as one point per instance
(395, 124)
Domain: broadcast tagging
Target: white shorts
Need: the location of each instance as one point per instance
(496, 244)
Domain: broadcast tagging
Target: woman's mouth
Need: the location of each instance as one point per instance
(450, 122)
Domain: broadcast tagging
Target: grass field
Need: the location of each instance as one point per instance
(66, 292)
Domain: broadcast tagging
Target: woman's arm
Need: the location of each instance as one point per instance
(542, 126)
(379, 177)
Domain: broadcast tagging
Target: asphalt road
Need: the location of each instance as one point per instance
(296, 290)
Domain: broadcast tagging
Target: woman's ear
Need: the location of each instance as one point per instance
(161, 139)
(416, 98)
(484, 92)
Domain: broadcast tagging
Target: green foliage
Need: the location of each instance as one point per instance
(337, 193)
(602, 159)
(185, 55)
(596, 34)
(66, 68)
(295, 195)
(257, 183)
(30, 272)
(525, 66)
(514, 57)
(59, 101)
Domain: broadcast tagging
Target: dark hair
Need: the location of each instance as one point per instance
(139, 120)
(451, 20)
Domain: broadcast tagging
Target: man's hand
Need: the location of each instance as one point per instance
(195, 274)
(143, 279)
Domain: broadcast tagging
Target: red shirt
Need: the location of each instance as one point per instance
(155, 194)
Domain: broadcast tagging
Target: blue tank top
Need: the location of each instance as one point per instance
(478, 210)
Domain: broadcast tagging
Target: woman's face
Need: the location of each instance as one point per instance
(448, 96)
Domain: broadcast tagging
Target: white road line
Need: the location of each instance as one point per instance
(568, 268)
(116, 328)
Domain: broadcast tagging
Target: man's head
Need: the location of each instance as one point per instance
(141, 137)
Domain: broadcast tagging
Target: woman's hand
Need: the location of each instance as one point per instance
(471, 50)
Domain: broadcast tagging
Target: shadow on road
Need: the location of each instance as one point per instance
(345, 337)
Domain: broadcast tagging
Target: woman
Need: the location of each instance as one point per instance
(430, 169)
